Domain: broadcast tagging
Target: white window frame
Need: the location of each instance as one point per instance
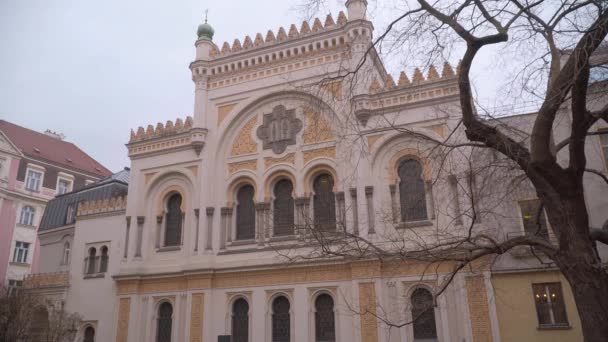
(37, 169)
(30, 221)
(522, 228)
(62, 178)
(21, 251)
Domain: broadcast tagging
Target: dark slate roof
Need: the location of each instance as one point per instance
(56, 212)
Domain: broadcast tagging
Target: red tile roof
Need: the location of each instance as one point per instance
(41, 146)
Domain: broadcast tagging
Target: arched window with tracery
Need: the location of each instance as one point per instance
(173, 227)
(92, 261)
(423, 315)
(325, 328)
(89, 334)
(164, 322)
(240, 321)
(245, 213)
(280, 319)
(65, 259)
(411, 191)
(103, 264)
(283, 211)
(324, 202)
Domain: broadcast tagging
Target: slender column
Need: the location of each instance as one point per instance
(341, 217)
(301, 219)
(260, 226)
(127, 233)
(223, 237)
(209, 241)
(229, 224)
(394, 207)
(140, 233)
(267, 223)
(369, 193)
(353, 199)
(196, 215)
(181, 229)
(453, 181)
(159, 225)
(430, 200)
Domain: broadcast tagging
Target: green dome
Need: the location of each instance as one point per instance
(205, 31)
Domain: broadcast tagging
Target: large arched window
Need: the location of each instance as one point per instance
(423, 314)
(103, 264)
(411, 191)
(240, 321)
(164, 322)
(89, 334)
(324, 202)
(173, 227)
(245, 213)
(280, 319)
(92, 261)
(283, 208)
(65, 259)
(325, 329)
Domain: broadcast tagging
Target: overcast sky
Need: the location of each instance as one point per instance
(94, 70)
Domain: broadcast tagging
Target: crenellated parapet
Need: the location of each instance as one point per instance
(170, 136)
(389, 96)
(281, 36)
(105, 206)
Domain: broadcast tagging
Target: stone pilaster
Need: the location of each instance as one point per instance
(367, 312)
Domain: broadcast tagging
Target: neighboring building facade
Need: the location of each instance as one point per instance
(34, 168)
(216, 202)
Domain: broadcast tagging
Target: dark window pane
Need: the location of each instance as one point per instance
(89, 334)
(533, 218)
(423, 314)
(240, 321)
(173, 227)
(103, 265)
(283, 208)
(165, 322)
(550, 307)
(324, 202)
(245, 214)
(92, 259)
(557, 301)
(325, 330)
(411, 191)
(543, 310)
(280, 320)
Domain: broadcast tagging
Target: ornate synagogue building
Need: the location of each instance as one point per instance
(234, 219)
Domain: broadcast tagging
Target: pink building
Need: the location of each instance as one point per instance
(34, 168)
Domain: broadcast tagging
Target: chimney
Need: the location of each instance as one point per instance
(54, 134)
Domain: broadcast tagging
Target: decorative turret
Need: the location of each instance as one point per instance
(205, 31)
(356, 9)
(204, 43)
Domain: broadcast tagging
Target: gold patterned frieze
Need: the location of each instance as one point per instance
(244, 142)
(317, 128)
(242, 165)
(326, 152)
(287, 159)
(122, 328)
(223, 111)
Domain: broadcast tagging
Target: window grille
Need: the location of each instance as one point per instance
(411, 191)
(325, 330)
(240, 321)
(89, 334)
(245, 213)
(173, 229)
(280, 320)
(324, 202)
(423, 315)
(283, 208)
(164, 322)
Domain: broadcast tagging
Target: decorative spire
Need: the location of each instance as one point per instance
(342, 18)
(225, 48)
(317, 26)
(390, 82)
(270, 37)
(293, 31)
(447, 70)
(374, 86)
(418, 76)
(259, 40)
(304, 29)
(236, 46)
(281, 36)
(205, 31)
(432, 75)
(329, 21)
(403, 80)
(247, 43)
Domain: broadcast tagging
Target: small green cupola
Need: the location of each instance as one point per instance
(205, 31)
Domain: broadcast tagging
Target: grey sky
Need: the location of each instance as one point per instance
(94, 70)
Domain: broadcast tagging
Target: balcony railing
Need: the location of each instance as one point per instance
(39, 280)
